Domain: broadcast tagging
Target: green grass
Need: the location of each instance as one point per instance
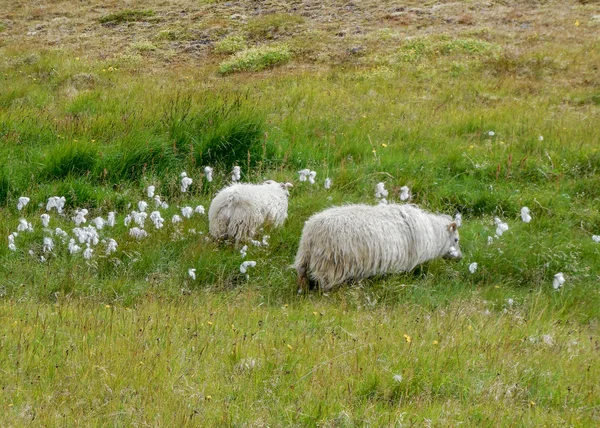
(126, 16)
(130, 338)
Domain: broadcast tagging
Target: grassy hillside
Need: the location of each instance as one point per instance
(479, 107)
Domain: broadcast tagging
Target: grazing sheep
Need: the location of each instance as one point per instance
(239, 210)
(359, 241)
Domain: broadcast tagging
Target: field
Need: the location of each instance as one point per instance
(480, 108)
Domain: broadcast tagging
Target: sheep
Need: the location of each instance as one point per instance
(239, 210)
(359, 241)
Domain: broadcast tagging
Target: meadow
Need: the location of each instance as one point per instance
(479, 108)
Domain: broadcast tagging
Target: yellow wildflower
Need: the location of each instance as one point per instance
(407, 338)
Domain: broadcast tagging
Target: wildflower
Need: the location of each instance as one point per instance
(398, 378)
(80, 216)
(138, 233)
(290, 347)
(157, 220)
(525, 215)
(435, 342)
(150, 191)
(111, 246)
(176, 219)
(98, 222)
(510, 302)
(88, 253)
(48, 245)
(192, 273)
(303, 174)
(380, 191)
(56, 202)
(187, 212)
(404, 193)
(45, 219)
(185, 181)
(596, 238)
(491, 133)
(73, 247)
(199, 210)
(407, 338)
(247, 264)
(383, 145)
(327, 184)
(458, 219)
(142, 205)
(111, 219)
(473, 267)
(139, 218)
(243, 251)
(235, 174)
(501, 227)
(558, 281)
(208, 172)
(23, 200)
(540, 138)
(24, 225)
(311, 177)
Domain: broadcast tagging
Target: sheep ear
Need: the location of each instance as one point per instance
(452, 227)
(286, 186)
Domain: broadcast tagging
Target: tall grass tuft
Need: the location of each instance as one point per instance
(70, 159)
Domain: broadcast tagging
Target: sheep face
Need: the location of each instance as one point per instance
(453, 250)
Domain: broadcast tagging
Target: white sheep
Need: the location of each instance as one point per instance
(238, 211)
(359, 241)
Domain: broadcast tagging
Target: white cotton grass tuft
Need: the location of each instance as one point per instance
(247, 264)
(45, 219)
(255, 243)
(490, 240)
(303, 174)
(187, 212)
(23, 200)
(138, 233)
(541, 138)
(87, 235)
(525, 214)
(208, 173)
(56, 202)
(139, 218)
(558, 281)
(157, 201)
(48, 245)
(185, 182)
(176, 219)
(458, 219)
(150, 191)
(236, 174)
(73, 247)
(11, 241)
(88, 253)
(510, 302)
(142, 205)
(265, 240)
(110, 220)
(596, 238)
(192, 273)
(127, 220)
(243, 251)
(79, 218)
(99, 222)
(156, 219)
(380, 191)
(328, 183)
(404, 193)
(382, 201)
(311, 177)
(111, 246)
(199, 210)
(501, 227)
(398, 378)
(491, 133)
(24, 226)
(473, 267)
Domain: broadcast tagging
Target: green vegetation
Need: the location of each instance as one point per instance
(126, 16)
(256, 59)
(474, 121)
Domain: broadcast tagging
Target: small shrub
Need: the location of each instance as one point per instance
(143, 46)
(126, 16)
(256, 59)
(70, 159)
(231, 44)
(170, 34)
